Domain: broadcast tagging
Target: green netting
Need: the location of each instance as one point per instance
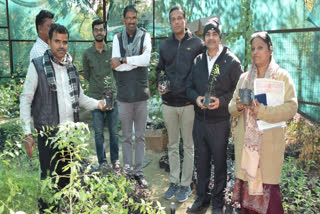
(3, 33)
(297, 52)
(3, 12)
(5, 59)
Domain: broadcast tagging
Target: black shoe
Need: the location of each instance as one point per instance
(198, 205)
(216, 210)
(141, 181)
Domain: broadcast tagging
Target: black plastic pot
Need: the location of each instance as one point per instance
(164, 85)
(108, 98)
(245, 95)
(207, 100)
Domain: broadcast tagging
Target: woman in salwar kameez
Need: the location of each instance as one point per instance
(259, 153)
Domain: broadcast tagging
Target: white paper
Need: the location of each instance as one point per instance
(274, 91)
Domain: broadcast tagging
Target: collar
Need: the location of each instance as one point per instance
(43, 43)
(93, 48)
(217, 54)
(187, 35)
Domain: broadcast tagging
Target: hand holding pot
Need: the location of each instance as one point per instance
(199, 102)
(215, 104)
(160, 90)
(29, 143)
(101, 106)
(255, 107)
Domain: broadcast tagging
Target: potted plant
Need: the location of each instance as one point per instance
(164, 82)
(109, 94)
(246, 95)
(211, 90)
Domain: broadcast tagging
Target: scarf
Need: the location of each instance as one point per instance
(253, 136)
(48, 58)
(132, 49)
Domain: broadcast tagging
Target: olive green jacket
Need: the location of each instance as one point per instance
(96, 66)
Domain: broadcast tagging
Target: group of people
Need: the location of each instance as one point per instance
(52, 94)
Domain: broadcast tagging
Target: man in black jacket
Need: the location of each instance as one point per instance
(211, 125)
(176, 57)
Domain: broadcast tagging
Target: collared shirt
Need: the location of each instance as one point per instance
(38, 48)
(133, 62)
(96, 66)
(63, 94)
(212, 60)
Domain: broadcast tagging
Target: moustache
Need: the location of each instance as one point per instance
(61, 49)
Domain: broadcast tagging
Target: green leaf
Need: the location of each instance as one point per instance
(1, 209)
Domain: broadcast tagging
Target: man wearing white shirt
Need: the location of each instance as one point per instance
(211, 124)
(131, 51)
(44, 20)
(52, 93)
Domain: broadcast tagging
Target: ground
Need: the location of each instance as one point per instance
(156, 177)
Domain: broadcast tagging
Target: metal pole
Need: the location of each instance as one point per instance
(104, 11)
(9, 38)
(154, 23)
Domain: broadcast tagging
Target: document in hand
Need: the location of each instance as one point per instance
(274, 91)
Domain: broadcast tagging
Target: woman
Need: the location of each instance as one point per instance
(259, 154)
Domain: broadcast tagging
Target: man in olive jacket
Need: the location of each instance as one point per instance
(176, 57)
(211, 125)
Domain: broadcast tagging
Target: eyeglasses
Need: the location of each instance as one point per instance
(100, 30)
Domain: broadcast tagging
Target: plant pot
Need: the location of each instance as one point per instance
(207, 100)
(108, 98)
(245, 95)
(164, 85)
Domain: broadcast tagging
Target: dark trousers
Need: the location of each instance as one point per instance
(211, 141)
(47, 164)
(100, 119)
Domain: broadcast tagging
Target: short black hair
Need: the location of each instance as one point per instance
(42, 15)
(179, 8)
(129, 8)
(57, 28)
(262, 35)
(98, 22)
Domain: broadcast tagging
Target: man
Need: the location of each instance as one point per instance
(176, 57)
(131, 51)
(96, 67)
(211, 125)
(53, 95)
(44, 20)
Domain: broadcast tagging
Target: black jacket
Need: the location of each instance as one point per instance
(197, 84)
(176, 59)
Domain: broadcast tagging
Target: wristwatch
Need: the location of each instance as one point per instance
(121, 60)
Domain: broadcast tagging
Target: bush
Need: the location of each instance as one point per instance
(304, 137)
(9, 98)
(19, 177)
(89, 190)
(300, 191)
(152, 74)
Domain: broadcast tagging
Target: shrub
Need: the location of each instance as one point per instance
(300, 191)
(304, 137)
(91, 191)
(19, 177)
(9, 98)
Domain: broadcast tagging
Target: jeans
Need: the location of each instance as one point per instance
(110, 118)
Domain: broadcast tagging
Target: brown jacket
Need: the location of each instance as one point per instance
(273, 145)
